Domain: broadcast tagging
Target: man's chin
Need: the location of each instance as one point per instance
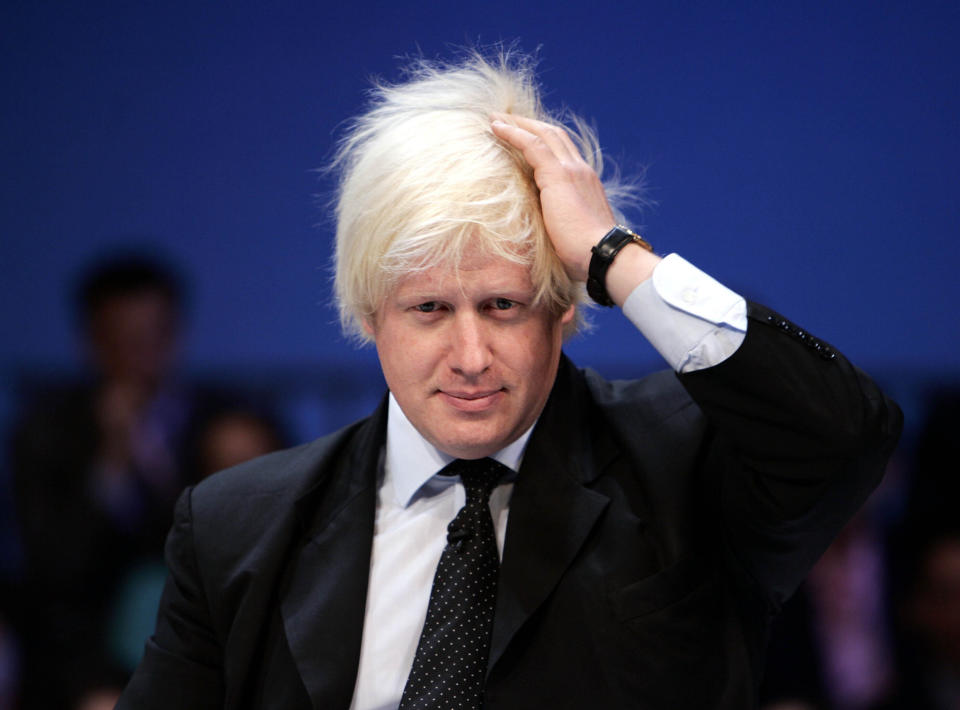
(471, 447)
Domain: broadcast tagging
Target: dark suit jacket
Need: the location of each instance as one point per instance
(655, 527)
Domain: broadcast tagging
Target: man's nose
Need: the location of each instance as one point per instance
(470, 352)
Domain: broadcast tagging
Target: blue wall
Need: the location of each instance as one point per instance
(805, 153)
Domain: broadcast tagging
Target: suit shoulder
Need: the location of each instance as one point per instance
(646, 403)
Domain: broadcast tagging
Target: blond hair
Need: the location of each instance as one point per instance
(423, 179)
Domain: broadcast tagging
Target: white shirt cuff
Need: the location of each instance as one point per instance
(690, 318)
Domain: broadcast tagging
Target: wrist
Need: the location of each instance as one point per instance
(622, 259)
(633, 266)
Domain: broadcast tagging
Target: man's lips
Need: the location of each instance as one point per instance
(471, 401)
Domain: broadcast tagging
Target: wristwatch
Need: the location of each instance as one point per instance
(604, 253)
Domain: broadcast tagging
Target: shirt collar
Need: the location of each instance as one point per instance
(411, 460)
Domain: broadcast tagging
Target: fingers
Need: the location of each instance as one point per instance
(538, 141)
(555, 136)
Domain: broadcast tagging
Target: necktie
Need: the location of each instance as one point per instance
(451, 659)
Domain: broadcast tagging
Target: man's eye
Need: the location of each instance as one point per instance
(503, 304)
(428, 307)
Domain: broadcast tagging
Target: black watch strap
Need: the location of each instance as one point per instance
(604, 253)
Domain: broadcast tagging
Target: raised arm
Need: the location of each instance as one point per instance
(803, 434)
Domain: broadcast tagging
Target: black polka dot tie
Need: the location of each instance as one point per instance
(451, 660)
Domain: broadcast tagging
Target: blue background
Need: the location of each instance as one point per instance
(804, 153)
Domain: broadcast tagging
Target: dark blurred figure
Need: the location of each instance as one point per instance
(927, 564)
(97, 468)
(929, 620)
(833, 647)
(227, 436)
(830, 648)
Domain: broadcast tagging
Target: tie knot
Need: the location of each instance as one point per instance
(479, 476)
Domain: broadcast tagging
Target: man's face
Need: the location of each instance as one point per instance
(134, 337)
(467, 355)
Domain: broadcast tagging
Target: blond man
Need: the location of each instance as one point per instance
(506, 530)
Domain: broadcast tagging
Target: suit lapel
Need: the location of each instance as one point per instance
(551, 512)
(323, 601)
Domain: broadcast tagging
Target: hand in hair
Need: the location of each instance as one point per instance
(575, 207)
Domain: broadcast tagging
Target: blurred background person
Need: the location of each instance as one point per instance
(227, 436)
(234, 435)
(96, 469)
(926, 563)
(929, 620)
(831, 647)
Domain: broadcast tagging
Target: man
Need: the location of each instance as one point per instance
(97, 469)
(646, 531)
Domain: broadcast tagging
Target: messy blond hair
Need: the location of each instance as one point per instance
(423, 179)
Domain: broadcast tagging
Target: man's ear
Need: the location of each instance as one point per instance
(568, 315)
(368, 327)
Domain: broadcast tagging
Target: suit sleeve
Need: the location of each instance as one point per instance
(804, 437)
(181, 666)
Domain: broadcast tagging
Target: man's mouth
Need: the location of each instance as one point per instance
(472, 400)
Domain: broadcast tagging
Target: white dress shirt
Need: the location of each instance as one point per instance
(693, 322)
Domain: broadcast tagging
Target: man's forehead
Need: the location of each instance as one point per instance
(471, 272)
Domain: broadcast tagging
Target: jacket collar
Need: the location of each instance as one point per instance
(551, 510)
